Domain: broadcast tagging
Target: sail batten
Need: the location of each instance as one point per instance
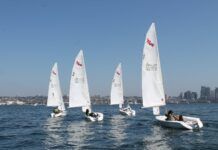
(152, 82)
(79, 93)
(54, 92)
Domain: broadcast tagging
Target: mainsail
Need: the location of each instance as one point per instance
(54, 92)
(152, 82)
(117, 87)
(79, 92)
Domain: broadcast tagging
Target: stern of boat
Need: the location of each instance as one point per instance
(127, 112)
(100, 117)
(53, 115)
(190, 123)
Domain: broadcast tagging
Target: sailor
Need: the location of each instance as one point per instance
(90, 114)
(87, 112)
(170, 116)
(56, 110)
(178, 117)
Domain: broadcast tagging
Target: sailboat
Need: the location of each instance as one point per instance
(117, 93)
(152, 84)
(79, 91)
(55, 98)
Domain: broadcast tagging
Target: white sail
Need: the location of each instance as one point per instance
(54, 92)
(152, 83)
(117, 87)
(79, 92)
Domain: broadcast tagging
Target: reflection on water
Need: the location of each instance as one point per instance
(157, 139)
(79, 133)
(168, 138)
(117, 130)
(53, 129)
(38, 131)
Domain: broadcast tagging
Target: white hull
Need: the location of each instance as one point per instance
(53, 115)
(189, 123)
(128, 112)
(99, 117)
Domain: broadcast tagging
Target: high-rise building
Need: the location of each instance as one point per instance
(205, 93)
(181, 95)
(212, 95)
(188, 95)
(194, 95)
(216, 93)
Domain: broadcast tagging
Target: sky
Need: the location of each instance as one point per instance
(36, 34)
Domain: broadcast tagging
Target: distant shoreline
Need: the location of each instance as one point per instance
(95, 100)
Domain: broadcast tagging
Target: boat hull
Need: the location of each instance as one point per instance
(53, 115)
(99, 117)
(127, 112)
(189, 123)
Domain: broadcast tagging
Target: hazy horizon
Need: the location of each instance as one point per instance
(36, 34)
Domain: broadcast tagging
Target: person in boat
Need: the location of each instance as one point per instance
(171, 117)
(91, 113)
(56, 110)
(128, 108)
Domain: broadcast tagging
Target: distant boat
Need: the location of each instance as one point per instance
(117, 93)
(152, 84)
(79, 92)
(55, 98)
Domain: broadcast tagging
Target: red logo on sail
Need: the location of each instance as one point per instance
(118, 73)
(54, 73)
(79, 64)
(149, 42)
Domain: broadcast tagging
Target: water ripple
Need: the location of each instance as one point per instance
(28, 127)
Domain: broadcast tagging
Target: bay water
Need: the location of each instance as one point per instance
(31, 127)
